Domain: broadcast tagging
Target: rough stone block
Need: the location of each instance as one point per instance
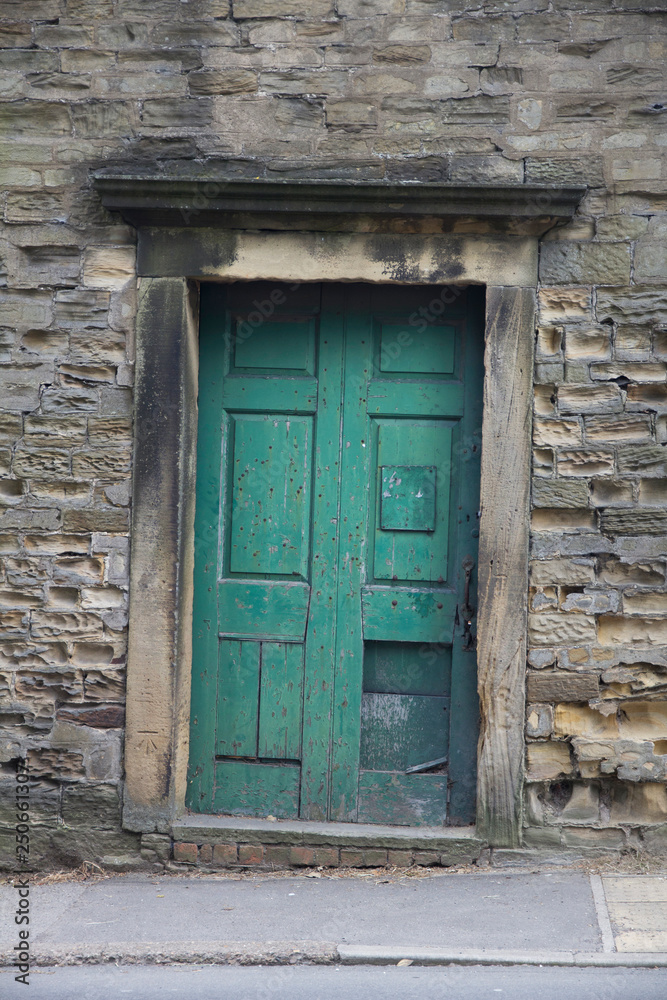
(557, 493)
(539, 721)
(300, 8)
(589, 399)
(559, 629)
(108, 267)
(572, 263)
(212, 82)
(177, 112)
(586, 462)
(559, 305)
(633, 632)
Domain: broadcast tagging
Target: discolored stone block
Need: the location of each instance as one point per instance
(560, 685)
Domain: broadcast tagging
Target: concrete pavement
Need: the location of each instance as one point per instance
(492, 917)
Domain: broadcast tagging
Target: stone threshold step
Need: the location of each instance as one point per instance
(205, 829)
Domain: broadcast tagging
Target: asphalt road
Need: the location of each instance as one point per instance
(337, 983)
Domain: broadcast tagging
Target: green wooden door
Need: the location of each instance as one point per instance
(334, 672)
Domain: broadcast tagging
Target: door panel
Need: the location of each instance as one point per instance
(338, 467)
(270, 495)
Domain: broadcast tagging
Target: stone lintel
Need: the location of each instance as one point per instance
(388, 258)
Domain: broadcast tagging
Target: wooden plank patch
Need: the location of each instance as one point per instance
(263, 609)
(408, 615)
(402, 799)
(415, 399)
(247, 788)
(402, 730)
(247, 393)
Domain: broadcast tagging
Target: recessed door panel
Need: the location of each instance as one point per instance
(270, 474)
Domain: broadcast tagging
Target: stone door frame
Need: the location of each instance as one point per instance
(202, 229)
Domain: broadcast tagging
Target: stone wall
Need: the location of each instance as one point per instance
(551, 92)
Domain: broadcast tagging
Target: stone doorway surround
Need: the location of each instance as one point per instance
(210, 227)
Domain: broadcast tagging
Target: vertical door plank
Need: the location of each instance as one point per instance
(238, 698)
(464, 714)
(204, 693)
(281, 700)
(321, 630)
(352, 550)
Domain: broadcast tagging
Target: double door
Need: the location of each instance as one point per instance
(334, 673)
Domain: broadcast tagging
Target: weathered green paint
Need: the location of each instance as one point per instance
(205, 642)
(415, 399)
(270, 480)
(429, 350)
(281, 701)
(263, 609)
(344, 515)
(401, 614)
(407, 498)
(238, 681)
(246, 788)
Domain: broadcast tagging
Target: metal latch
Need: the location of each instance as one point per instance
(467, 610)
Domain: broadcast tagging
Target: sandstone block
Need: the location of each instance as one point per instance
(647, 459)
(620, 428)
(614, 571)
(178, 112)
(644, 603)
(570, 263)
(94, 519)
(633, 632)
(108, 267)
(638, 804)
(547, 761)
(475, 169)
(634, 371)
(586, 462)
(562, 571)
(44, 463)
(55, 430)
(557, 493)
(592, 602)
(342, 112)
(589, 399)
(211, 82)
(300, 8)
(558, 305)
(558, 519)
(587, 342)
(639, 304)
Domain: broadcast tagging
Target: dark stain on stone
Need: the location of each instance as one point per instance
(107, 717)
